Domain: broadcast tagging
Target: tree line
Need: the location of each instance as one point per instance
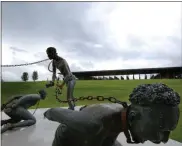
(25, 76)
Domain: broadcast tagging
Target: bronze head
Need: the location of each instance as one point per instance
(153, 112)
(42, 94)
(51, 52)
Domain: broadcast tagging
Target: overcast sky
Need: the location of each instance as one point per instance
(90, 36)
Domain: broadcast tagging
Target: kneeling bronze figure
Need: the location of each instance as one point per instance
(152, 115)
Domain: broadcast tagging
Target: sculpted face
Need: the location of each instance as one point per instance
(51, 52)
(50, 55)
(154, 122)
(42, 94)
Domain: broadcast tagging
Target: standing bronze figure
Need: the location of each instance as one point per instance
(69, 79)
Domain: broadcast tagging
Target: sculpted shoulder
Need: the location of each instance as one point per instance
(103, 108)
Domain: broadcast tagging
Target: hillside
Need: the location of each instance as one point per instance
(117, 88)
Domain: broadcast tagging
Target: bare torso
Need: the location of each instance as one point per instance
(62, 65)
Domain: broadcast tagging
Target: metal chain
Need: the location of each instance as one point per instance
(58, 92)
(24, 64)
(98, 98)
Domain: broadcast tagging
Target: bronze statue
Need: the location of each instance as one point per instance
(152, 115)
(17, 109)
(69, 79)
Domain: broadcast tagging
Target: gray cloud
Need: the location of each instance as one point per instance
(17, 49)
(61, 19)
(90, 51)
(64, 23)
(87, 64)
(74, 67)
(79, 32)
(170, 51)
(135, 41)
(14, 74)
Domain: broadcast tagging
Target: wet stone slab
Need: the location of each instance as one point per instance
(42, 134)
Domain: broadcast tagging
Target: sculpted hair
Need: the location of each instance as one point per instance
(51, 50)
(157, 93)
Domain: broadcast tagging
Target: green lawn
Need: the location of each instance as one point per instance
(117, 88)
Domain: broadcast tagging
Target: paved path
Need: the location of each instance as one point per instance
(42, 134)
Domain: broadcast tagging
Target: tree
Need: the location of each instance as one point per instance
(35, 76)
(25, 76)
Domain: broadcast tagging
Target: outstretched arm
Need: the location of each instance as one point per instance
(79, 121)
(88, 125)
(59, 115)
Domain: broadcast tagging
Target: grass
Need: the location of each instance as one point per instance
(117, 88)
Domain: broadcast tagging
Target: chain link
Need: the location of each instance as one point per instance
(81, 98)
(98, 98)
(25, 63)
